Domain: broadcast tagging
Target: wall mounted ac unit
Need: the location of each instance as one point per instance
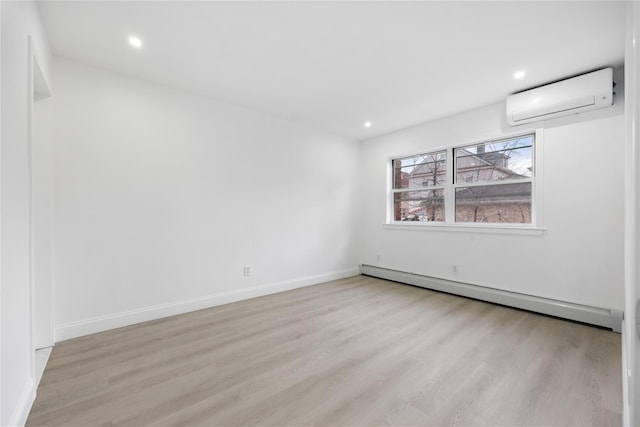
(571, 96)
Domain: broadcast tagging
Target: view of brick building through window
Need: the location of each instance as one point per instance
(491, 183)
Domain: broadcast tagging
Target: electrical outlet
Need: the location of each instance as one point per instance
(454, 269)
(246, 270)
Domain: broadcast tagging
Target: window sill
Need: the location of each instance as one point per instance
(468, 228)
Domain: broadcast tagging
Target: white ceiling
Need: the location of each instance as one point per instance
(335, 65)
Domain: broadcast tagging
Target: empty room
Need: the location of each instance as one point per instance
(327, 213)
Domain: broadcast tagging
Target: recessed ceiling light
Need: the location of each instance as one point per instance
(367, 124)
(135, 42)
(519, 74)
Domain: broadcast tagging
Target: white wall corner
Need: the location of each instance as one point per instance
(631, 337)
(117, 320)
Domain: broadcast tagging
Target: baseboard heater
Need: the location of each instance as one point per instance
(605, 317)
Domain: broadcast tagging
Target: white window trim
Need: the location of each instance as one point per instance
(499, 228)
(449, 225)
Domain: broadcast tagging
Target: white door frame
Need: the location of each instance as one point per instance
(41, 288)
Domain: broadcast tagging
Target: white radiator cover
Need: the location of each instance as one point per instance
(605, 317)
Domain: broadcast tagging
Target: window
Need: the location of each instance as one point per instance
(418, 183)
(487, 182)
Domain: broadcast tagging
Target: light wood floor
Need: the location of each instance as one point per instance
(354, 352)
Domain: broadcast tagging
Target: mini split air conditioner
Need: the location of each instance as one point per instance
(587, 92)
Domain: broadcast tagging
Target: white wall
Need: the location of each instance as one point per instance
(162, 197)
(579, 256)
(19, 20)
(631, 332)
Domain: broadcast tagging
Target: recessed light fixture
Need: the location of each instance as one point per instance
(367, 124)
(519, 74)
(135, 42)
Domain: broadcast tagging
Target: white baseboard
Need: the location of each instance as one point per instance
(117, 320)
(606, 317)
(28, 396)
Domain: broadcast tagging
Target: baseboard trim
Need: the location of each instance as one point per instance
(19, 417)
(608, 318)
(112, 321)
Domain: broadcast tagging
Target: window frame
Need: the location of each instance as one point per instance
(450, 186)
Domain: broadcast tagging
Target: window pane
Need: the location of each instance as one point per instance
(495, 161)
(494, 203)
(422, 170)
(426, 205)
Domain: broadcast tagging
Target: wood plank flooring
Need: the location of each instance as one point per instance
(354, 352)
